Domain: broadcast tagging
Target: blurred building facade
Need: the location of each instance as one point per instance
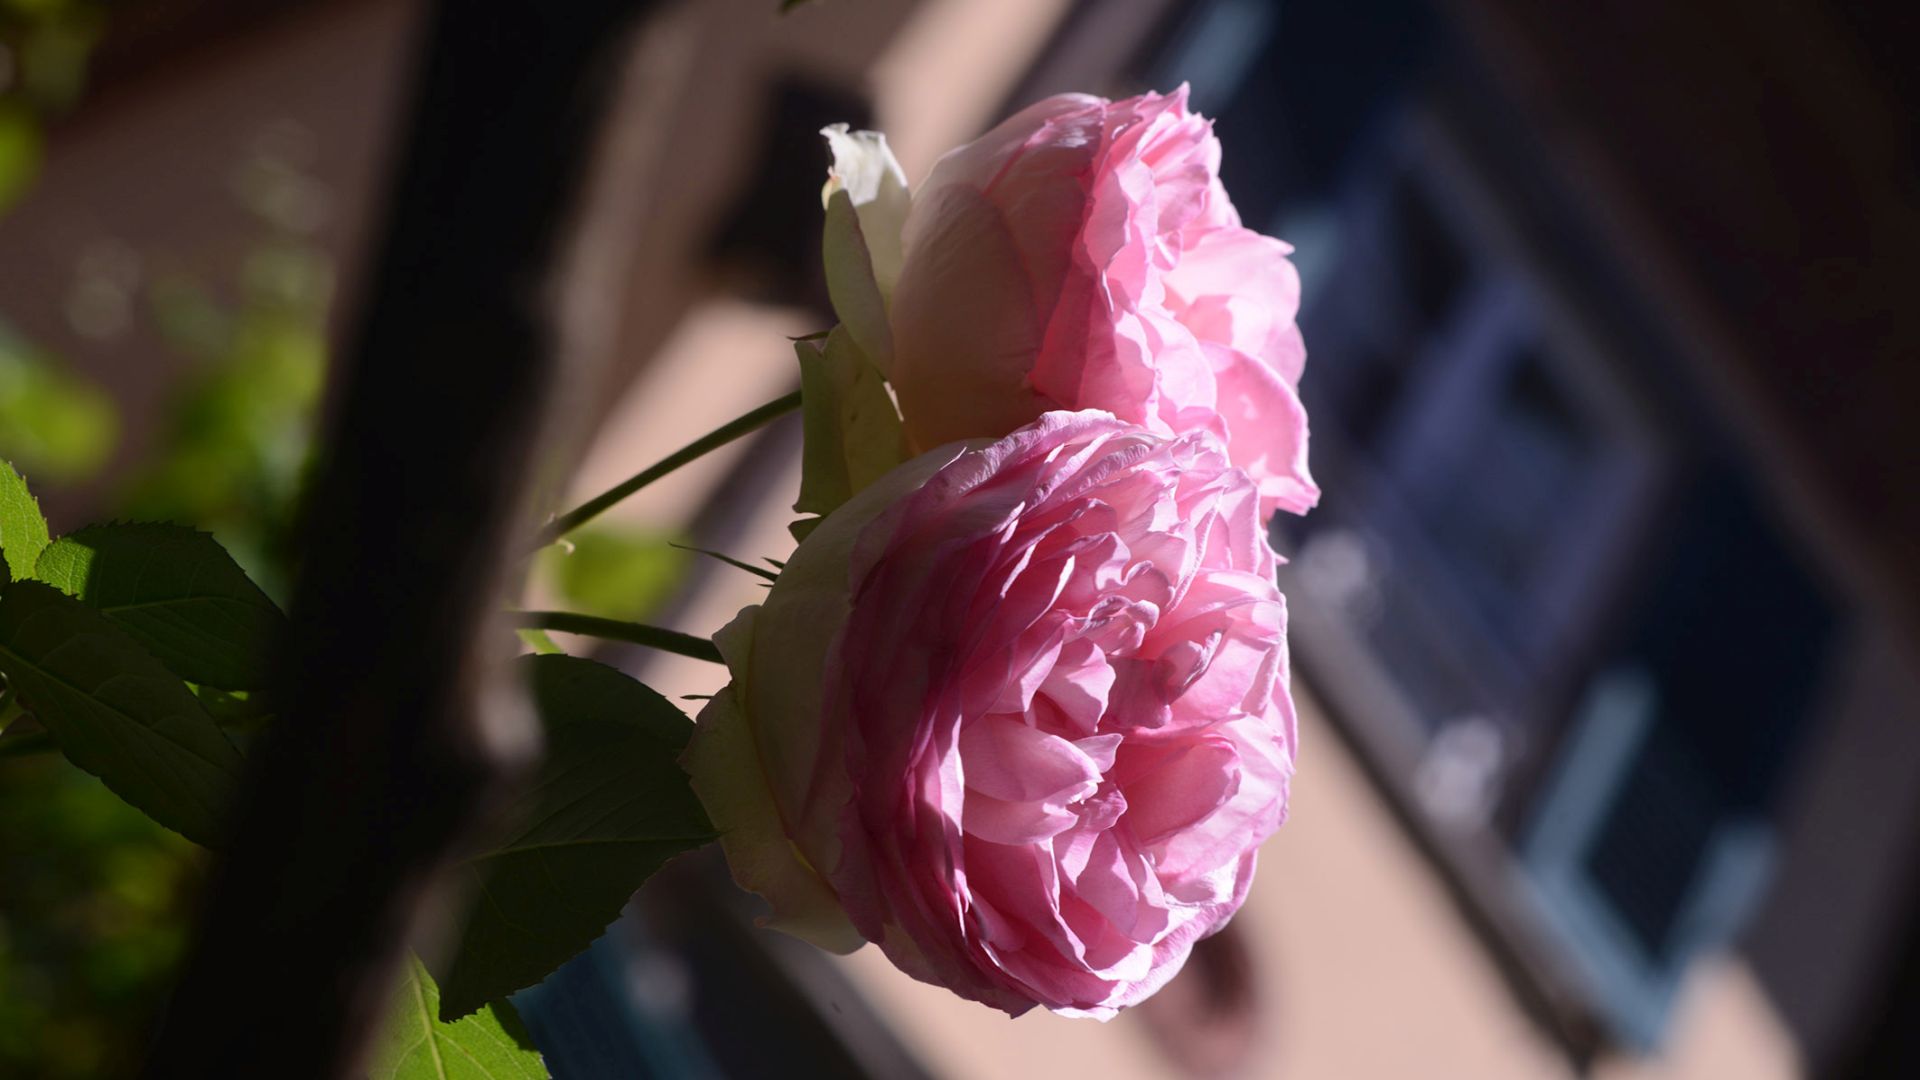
(1606, 629)
(1613, 582)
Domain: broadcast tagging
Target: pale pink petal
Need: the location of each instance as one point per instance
(966, 324)
(1084, 254)
(1020, 823)
(1180, 788)
(1079, 683)
(1236, 288)
(1009, 760)
(1266, 431)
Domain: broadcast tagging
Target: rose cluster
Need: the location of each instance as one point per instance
(1017, 708)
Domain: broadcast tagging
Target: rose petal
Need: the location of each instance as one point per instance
(1176, 789)
(1008, 760)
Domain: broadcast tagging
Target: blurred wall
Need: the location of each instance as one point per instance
(159, 173)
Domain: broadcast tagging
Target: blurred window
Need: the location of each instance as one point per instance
(1542, 589)
(1653, 838)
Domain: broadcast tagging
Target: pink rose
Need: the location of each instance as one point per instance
(1018, 713)
(1083, 255)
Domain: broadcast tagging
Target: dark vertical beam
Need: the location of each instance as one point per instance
(392, 741)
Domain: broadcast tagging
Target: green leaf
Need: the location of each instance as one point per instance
(757, 571)
(23, 532)
(175, 591)
(228, 709)
(653, 637)
(609, 807)
(492, 1044)
(115, 711)
(851, 429)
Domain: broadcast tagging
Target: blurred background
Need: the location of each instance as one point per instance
(1607, 630)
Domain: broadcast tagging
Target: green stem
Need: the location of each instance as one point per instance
(713, 440)
(672, 641)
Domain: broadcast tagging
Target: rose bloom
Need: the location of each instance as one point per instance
(1018, 713)
(1084, 255)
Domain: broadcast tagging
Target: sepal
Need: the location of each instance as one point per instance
(866, 200)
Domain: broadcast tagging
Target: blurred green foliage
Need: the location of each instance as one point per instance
(616, 572)
(44, 46)
(54, 425)
(235, 448)
(19, 151)
(95, 899)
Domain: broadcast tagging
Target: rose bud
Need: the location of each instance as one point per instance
(1018, 713)
(1081, 255)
